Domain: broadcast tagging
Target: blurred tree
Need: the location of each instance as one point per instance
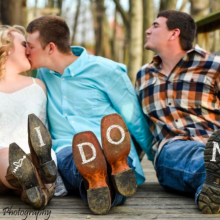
(60, 5)
(101, 28)
(167, 4)
(215, 5)
(50, 4)
(200, 9)
(113, 41)
(13, 12)
(124, 14)
(98, 9)
(76, 21)
(183, 6)
(135, 38)
(148, 18)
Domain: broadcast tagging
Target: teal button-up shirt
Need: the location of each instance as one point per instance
(90, 88)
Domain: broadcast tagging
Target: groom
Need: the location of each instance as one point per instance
(82, 89)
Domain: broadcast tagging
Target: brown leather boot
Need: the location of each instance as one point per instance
(91, 164)
(40, 143)
(116, 144)
(12, 180)
(47, 189)
(24, 171)
(23, 174)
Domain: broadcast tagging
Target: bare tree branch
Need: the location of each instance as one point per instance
(183, 5)
(76, 21)
(123, 13)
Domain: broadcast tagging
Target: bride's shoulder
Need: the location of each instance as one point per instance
(41, 84)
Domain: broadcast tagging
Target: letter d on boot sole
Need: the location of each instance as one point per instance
(91, 164)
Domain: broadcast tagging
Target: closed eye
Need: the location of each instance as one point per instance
(24, 44)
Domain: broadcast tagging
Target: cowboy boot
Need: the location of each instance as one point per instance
(116, 144)
(209, 197)
(12, 180)
(91, 164)
(40, 143)
(47, 190)
(21, 167)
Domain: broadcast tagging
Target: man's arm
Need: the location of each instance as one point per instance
(122, 95)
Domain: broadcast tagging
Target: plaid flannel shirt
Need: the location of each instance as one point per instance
(186, 103)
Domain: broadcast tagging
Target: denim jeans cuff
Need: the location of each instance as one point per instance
(197, 194)
(82, 192)
(118, 200)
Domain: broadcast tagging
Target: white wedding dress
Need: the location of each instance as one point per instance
(14, 110)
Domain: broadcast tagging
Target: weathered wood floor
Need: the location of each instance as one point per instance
(150, 202)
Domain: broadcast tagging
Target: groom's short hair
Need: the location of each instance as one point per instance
(52, 29)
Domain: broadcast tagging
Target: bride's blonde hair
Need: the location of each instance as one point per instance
(6, 43)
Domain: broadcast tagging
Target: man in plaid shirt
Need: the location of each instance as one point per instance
(179, 92)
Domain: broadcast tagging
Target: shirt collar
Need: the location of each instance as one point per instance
(75, 67)
(157, 60)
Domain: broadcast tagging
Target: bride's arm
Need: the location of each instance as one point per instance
(43, 113)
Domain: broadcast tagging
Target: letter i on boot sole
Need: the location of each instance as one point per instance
(116, 144)
(90, 162)
(40, 143)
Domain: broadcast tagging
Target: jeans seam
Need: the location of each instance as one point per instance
(182, 171)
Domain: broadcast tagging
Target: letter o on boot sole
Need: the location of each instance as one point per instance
(209, 198)
(116, 144)
(90, 162)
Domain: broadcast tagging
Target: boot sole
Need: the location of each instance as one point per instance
(92, 166)
(99, 200)
(40, 142)
(116, 144)
(209, 198)
(23, 169)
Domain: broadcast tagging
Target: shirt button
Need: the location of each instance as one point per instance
(65, 114)
(169, 103)
(63, 79)
(64, 97)
(51, 71)
(72, 122)
(176, 120)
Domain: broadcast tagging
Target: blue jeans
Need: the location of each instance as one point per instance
(180, 166)
(73, 179)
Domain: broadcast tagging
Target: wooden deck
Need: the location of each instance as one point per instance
(150, 202)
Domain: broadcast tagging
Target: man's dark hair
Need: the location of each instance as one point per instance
(184, 23)
(52, 29)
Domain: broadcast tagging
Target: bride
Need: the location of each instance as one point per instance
(24, 166)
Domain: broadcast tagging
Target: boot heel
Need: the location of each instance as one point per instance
(99, 200)
(123, 186)
(35, 196)
(48, 171)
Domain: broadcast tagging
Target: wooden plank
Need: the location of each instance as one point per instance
(208, 23)
(150, 202)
